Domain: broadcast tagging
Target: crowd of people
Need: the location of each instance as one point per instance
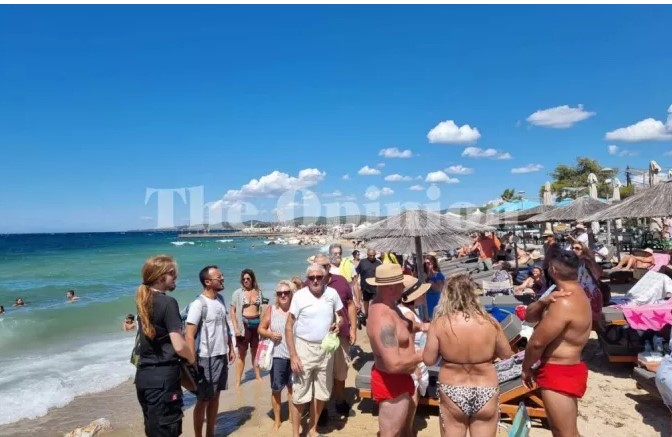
(313, 322)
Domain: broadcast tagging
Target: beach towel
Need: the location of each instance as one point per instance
(652, 288)
(643, 317)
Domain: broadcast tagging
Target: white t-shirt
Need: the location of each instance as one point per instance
(583, 238)
(215, 323)
(314, 316)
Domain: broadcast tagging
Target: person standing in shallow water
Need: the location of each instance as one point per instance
(246, 316)
(161, 345)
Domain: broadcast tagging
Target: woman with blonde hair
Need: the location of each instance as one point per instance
(468, 340)
(160, 345)
(272, 326)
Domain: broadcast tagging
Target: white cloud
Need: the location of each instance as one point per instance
(458, 169)
(346, 177)
(336, 193)
(617, 151)
(529, 168)
(393, 152)
(397, 178)
(559, 117)
(645, 130)
(416, 188)
(448, 132)
(368, 171)
(668, 153)
(380, 165)
(276, 183)
(476, 152)
(372, 193)
(146, 218)
(439, 176)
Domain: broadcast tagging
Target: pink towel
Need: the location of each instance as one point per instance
(648, 316)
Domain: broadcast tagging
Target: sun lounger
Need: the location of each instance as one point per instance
(613, 316)
(621, 344)
(511, 393)
(646, 380)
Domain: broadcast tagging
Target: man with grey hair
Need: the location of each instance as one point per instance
(313, 313)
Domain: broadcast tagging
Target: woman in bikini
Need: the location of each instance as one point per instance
(468, 340)
(246, 315)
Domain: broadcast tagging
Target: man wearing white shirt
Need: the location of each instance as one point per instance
(581, 235)
(311, 317)
(215, 348)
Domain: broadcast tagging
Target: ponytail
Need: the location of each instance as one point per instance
(144, 298)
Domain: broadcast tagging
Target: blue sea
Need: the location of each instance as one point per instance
(52, 351)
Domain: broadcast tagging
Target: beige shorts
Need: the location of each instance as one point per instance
(342, 360)
(317, 377)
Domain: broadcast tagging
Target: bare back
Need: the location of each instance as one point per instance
(571, 317)
(390, 337)
(468, 347)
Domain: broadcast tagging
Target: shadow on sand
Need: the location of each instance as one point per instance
(230, 421)
(653, 412)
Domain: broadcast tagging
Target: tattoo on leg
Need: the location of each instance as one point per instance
(388, 336)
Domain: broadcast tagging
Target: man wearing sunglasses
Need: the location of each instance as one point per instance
(347, 336)
(311, 317)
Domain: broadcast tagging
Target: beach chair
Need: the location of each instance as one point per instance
(646, 380)
(501, 283)
(513, 395)
(521, 423)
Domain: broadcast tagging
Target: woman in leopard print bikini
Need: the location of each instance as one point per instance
(467, 339)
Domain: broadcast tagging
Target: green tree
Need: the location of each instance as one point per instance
(510, 195)
(567, 176)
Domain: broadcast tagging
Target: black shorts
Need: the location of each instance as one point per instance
(368, 294)
(281, 374)
(160, 396)
(216, 372)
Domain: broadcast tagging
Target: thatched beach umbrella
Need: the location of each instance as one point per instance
(414, 227)
(650, 202)
(575, 211)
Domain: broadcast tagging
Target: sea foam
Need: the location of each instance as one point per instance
(182, 243)
(30, 386)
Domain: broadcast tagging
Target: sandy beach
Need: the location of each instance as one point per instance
(613, 406)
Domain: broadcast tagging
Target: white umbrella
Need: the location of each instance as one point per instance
(617, 197)
(592, 181)
(656, 223)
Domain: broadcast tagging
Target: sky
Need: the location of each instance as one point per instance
(371, 105)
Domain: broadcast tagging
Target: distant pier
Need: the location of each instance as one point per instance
(223, 235)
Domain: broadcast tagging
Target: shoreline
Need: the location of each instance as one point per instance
(247, 411)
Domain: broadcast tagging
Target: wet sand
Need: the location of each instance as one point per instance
(613, 406)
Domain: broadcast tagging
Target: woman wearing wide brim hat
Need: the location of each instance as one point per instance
(414, 294)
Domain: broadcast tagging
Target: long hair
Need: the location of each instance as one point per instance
(459, 296)
(587, 258)
(249, 272)
(433, 262)
(292, 289)
(153, 270)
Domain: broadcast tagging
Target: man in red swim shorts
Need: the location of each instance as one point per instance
(393, 349)
(564, 324)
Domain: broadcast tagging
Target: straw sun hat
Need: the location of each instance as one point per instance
(391, 274)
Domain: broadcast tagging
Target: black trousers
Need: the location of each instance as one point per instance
(160, 396)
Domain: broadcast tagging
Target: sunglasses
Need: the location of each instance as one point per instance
(577, 248)
(315, 278)
(247, 278)
(282, 293)
(326, 266)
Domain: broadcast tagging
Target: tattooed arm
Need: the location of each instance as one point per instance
(386, 347)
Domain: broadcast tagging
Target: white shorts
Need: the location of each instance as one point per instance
(342, 360)
(317, 377)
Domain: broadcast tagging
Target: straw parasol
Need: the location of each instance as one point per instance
(518, 217)
(575, 211)
(650, 202)
(414, 227)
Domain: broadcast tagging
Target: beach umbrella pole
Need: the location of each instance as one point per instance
(421, 275)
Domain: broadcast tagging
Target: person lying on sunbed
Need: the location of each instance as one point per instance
(639, 259)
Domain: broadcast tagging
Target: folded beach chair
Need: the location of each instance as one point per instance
(501, 283)
(521, 423)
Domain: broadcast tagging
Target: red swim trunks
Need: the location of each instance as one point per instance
(568, 379)
(387, 386)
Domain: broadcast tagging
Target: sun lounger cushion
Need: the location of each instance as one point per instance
(510, 368)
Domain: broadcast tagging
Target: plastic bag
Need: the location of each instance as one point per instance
(264, 358)
(330, 342)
